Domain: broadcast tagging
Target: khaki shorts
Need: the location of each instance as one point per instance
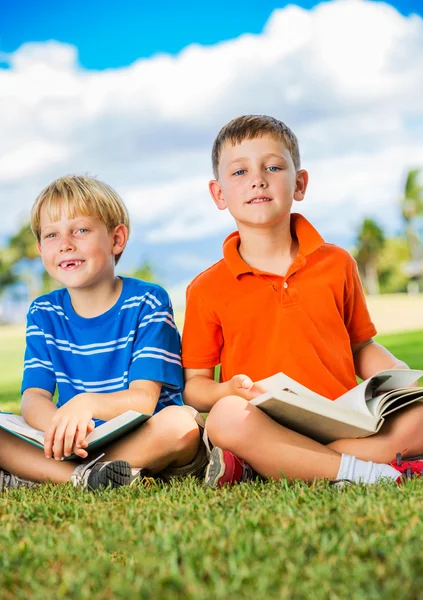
(199, 463)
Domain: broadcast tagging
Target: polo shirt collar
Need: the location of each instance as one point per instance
(309, 240)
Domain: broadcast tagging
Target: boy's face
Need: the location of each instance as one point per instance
(258, 181)
(79, 252)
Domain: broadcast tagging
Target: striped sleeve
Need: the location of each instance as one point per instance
(38, 368)
(156, 352)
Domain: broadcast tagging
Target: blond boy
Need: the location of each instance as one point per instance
(281, 299)
(109, 344)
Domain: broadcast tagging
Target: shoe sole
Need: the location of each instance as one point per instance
(216, 468)
(114, 475)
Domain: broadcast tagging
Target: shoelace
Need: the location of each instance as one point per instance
(247, 472)
(5, 479)
(408, 473)
(81, 472)
(9, 481)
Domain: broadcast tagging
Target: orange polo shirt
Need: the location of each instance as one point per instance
(260, 323)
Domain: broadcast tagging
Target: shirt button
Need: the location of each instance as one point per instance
(285, 284)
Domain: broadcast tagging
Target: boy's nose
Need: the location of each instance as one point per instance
(258, 182)
(66, 244)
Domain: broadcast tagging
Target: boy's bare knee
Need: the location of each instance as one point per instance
(177, 426)
(225, 421)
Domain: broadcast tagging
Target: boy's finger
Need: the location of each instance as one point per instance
(80, 436)
(244, 382)
(83, 430)
(252, 393)
(48, 441)
(58, 441)
(69, 438)
(80, 452)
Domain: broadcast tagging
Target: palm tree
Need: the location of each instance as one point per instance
(412, 208)
(370, 242)
(412, 212)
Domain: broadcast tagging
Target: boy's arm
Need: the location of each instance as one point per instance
(142, 396)
(72, 421)
(37, 408)
(370, 358)
(202, 392)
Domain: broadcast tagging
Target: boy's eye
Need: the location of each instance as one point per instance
(81, 230)
(49, 235)
(240, 172)
(273, 169)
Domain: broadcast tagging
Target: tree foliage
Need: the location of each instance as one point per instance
(370, 242)
(412, 209)
(145, 272)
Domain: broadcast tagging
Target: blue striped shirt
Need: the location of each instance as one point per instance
(136, 339)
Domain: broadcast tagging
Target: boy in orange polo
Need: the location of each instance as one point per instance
(281, 299)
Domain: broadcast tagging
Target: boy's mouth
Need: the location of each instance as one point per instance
(259, 200)
(68, 265)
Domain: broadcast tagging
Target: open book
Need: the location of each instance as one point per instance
(358, 413)
(104, 434)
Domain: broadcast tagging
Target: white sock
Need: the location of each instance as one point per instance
(364, 471)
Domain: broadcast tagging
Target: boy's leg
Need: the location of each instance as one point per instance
(28, 462)
(169, 439)
(22, 461)
(402, 432)
(271, 449)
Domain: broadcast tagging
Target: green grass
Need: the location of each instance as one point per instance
(182, 541)
(12, 349)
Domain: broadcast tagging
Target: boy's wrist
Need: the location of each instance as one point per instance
(89, 401)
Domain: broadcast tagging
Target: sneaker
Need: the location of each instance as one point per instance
(141, 476)
(408, 469)
(95, 475)
(9, 481)
(225, 467)
(341, 483)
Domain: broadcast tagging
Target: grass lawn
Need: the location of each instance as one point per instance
(182, 541)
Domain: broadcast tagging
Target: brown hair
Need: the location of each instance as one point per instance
(249, 127)
(80, 195)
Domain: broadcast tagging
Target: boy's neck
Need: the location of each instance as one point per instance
(271, 250)
(95, 300)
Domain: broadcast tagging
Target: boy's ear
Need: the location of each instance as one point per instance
(301, 185)
(217, 194)
(39, 247)
(120, 238)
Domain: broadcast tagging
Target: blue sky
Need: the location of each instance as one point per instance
(346, 76)
(110, 34)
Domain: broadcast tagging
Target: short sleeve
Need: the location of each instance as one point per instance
(156, 352)
(38, 368)
(202, 338)
(356, 314)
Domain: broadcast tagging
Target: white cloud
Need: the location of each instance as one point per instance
(347, 76)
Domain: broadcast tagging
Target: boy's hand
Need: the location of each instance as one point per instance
(69, 427)
(243, 386)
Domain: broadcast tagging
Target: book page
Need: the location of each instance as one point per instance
(112, 425)
(395, 378)
(368, 395)
(321, 419)
(281, 382)
(396, 399)
(19, 425)
(354, 399)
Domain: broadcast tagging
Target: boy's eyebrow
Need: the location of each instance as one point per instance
(269, 155)
(72, 221)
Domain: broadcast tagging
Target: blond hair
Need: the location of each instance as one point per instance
(249, 127)
(80, 195)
